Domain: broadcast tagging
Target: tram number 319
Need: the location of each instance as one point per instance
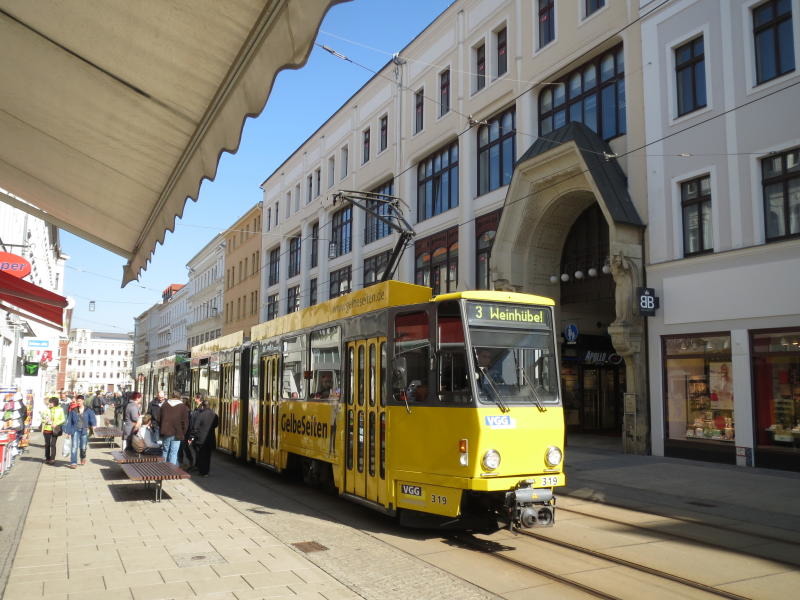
(436, 499)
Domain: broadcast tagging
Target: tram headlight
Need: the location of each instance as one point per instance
(490, 460)
(553, 456)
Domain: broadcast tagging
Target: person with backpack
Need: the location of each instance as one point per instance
(203, 437)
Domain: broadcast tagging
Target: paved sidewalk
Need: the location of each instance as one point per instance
(763, 501)
(91, 533)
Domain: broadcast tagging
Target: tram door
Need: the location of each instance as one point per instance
(268, 438)
(365, 439)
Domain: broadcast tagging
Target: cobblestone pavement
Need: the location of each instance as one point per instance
(91, 533)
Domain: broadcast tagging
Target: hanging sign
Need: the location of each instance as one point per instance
(14, 265)
(647, 301)
(571, 333)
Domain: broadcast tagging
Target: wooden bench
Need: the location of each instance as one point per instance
(124, 456)
(153, 472)
(108, 433)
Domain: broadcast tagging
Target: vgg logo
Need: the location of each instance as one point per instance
(411, 490)
(498, 421)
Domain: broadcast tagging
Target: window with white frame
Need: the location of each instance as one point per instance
(331, 171)
(781, 183)
(774, 39)
(479, 60)
(501, 51)
(365, 135)
(690, 76)
(444, 92)
(592, 6)
(696, 210)
(344, 152)
(384, 133)
(547, 22)
(419, 110)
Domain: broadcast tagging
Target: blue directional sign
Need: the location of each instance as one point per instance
(571, 333)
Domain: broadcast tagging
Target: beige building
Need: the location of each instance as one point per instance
(242, 272)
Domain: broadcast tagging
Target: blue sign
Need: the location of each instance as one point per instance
(37, 343)
(571, 333)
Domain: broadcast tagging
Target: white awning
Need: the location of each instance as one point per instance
(112, 112)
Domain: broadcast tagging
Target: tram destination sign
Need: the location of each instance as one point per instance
(508, 315)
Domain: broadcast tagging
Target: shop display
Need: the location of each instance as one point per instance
(709, 410)
(14, 416)
(785, 427)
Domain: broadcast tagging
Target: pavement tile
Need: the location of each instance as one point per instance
(23, 591)
(204, 572)
(223, 584)
(278, 592)
(137, 566)
(239, 568)
(173, 590)
(313, 575)
(75, 584)
(263, 580)
(319, 588)
(115, 594)
(129, 580)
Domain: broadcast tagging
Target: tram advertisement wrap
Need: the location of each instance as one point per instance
(308, 428)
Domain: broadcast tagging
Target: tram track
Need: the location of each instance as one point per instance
(503, 552)
(696, 539)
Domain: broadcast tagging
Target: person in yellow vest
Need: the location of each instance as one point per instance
(52, 420)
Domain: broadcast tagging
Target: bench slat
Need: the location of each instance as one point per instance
(123, 456)
(153, 471)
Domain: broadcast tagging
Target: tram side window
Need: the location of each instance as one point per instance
(213, 380)
(326, 369)
(237, 363)
(453, 371)
(411, 357)
(254, 373)
(293, 385)
(203, 379)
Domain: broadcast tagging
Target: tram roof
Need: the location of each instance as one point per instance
(496, 296)
(224, 342)
(375, 297)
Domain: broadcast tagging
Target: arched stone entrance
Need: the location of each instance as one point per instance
(553, 184)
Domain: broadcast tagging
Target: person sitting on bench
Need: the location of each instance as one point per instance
(143, 441)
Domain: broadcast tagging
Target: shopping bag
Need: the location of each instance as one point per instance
(66, 449)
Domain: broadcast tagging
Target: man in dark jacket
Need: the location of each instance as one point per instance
(80, 424)
(155, 412)
(174, 425)
(203, 436)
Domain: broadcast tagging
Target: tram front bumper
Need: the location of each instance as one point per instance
(530, 507)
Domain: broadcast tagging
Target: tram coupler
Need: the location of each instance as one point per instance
(530, 507)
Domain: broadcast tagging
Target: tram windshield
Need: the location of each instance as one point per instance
(514, 364)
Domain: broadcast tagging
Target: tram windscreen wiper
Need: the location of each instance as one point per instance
(531, 389)
(497, 399)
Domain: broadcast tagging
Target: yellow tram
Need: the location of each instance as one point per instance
(445, 410)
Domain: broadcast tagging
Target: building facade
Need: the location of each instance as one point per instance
(723, 169)
(489, 126)
(242, 272)
(99, 361)
(205, 293)
(23, 339)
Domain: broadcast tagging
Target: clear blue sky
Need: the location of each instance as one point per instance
(367, 31)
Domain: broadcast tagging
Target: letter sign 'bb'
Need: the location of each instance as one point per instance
(647, 301)
(14, 265)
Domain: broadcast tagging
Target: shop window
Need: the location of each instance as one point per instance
(776, 386)
(699, 389)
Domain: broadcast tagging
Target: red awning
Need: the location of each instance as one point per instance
(31, 299)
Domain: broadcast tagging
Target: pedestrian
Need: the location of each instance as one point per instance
(203, 437)
(186, 454)
(155, 412)
(174, 424)
(52, 422)
(97, 403)
(132, 417)
(80, 425)
(191, 447)
(143, 441)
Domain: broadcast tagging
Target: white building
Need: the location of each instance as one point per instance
(99, 361)
(23, 339)
(723, 170)
(204, 318)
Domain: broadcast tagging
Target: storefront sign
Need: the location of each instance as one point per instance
(36, 343)
(647, 300)
(14, 265)
(601, 358)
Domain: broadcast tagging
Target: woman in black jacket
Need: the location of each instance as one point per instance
(204, 439)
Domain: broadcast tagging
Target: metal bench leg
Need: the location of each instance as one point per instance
(159, 485)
